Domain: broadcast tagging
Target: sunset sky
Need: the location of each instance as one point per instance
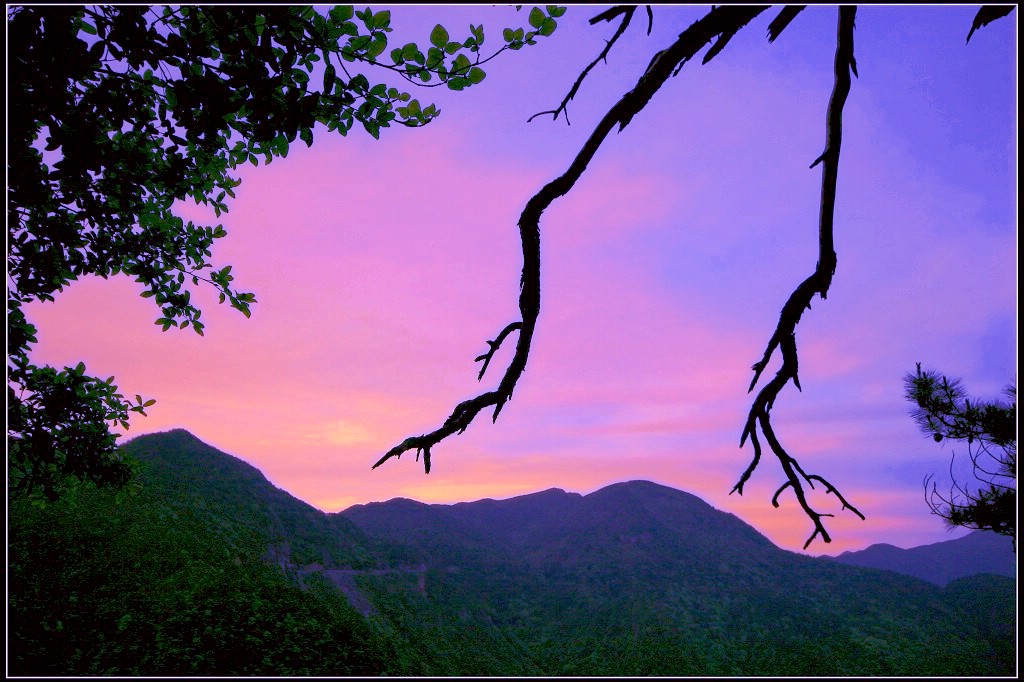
(382, 267)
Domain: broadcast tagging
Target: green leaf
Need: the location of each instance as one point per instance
(382, 19)
(439, 36)
(555, 10)
(377, 46)
(461, 64)
(87, 27)
(536, 17)
(548, 27)
(475, 75)
(434, 57)
(261, 23)
(341, 13)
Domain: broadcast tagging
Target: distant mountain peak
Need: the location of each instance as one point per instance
(941, 562)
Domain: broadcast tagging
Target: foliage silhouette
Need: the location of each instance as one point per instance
(117, 112)
(944, 412)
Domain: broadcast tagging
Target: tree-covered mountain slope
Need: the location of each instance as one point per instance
(177, 579)
(641, 579)
(211, 570)
(253, 512)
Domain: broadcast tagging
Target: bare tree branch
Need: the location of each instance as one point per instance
(627, 12)
(986, 15)
(720, 20)
(782, 20)
(784, 337)
(495, 345)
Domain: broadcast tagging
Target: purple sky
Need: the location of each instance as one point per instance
(382, 267)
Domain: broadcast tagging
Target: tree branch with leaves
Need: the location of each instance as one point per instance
(117, 112)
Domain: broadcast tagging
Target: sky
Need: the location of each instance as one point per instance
(381, 268)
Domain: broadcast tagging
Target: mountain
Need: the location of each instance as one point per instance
(942, 562)
(641, 579)
(179, 466)
(200, 574)
(184, 577)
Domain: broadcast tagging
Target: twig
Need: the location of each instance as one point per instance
(627, 12)
(495, 345)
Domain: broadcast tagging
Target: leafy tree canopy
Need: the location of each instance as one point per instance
(116, 112)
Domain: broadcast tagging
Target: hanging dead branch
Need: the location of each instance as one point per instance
(716, 28)
(720, 21)
(784, 338)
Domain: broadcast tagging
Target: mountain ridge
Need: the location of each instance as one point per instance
(941, 562)
(877, 556)
(635, 578)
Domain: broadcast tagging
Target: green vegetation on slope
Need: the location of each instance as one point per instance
(171, 581)
(186, 578)
(639, 579)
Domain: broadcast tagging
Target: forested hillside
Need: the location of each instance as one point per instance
(175, 580)
(641, 579)
(211, 570)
